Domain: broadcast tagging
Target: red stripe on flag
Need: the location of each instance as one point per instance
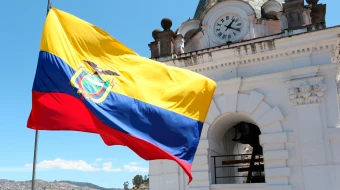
(60, 111)
(57, 111)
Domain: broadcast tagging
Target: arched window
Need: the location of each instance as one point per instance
(240, 158)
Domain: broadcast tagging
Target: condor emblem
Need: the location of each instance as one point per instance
(90, 84)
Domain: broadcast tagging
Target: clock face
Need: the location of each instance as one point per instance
(229, 27)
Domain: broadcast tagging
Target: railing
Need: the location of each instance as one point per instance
(243, 166)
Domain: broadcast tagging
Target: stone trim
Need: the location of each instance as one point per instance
(335, 54)
(253, 58)
(272, 138)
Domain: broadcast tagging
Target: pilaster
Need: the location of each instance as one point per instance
(283, 20)
(294, 12)
(166, 41)
(179, 44)
(335, 54)
(306, 95)
(251, 19)
(154, 49)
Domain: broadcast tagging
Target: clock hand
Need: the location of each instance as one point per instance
(227, 27)
(229, 24)
(237, 29)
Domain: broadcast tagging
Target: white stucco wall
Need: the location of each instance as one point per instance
(301, 142)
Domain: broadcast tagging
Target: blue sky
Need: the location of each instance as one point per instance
(72, 155)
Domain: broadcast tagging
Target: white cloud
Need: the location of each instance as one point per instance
(78, 165)
(60, 164)
(134, 163)
(99, 159)
(107, 167)
(132, 167)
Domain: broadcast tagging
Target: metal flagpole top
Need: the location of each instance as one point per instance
(49, 6)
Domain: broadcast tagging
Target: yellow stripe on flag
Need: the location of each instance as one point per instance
(175, 89)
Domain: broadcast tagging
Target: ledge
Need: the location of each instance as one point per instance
(254, 186)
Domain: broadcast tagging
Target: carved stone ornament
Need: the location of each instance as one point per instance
(335, 53)
(306, 91)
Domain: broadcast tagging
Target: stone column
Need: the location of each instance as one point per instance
(206, 37)
(318, 13)
(307, 95)
(154, 49)
(154, 46)
(179, 44)
(251, 19)
(166, 43)
(307, 16)
(283, 21)
(293, 10)
(335, 54)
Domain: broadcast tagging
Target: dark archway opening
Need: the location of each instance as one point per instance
(242, 161)
(249, 134)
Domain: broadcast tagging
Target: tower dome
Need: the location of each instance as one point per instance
(204, 5)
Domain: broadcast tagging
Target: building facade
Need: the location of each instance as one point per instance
(273, 123)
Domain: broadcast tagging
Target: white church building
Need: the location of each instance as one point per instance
(274, 122)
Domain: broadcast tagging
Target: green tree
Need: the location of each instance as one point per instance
(126, 185)
(137, 180)
(146, 180)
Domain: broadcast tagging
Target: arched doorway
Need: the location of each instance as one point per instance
(226, 110)
(237, 156)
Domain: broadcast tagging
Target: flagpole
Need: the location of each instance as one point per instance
(49, 4)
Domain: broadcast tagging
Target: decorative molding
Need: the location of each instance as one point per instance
(201, 64)
(335, 54)
(306, 91)
(258, 50)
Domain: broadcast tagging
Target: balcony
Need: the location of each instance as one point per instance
(238, 168)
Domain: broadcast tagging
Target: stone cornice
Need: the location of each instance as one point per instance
(257, 51)
(217, 61)
(279, 79)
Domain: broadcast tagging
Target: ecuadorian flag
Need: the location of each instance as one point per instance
(88, 81)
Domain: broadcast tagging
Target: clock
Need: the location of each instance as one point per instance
(229, 27)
